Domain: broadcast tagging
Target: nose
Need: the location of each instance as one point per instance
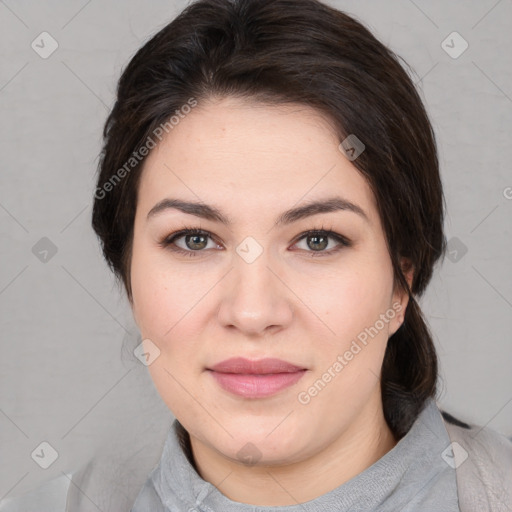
(255, 299)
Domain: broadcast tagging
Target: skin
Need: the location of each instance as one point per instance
(253, 162)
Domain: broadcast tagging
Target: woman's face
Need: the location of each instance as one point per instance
(255, 286)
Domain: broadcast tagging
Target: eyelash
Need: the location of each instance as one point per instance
(168, 241)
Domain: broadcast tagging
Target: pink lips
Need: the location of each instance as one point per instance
(255, 379)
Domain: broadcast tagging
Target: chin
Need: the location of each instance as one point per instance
(260, 440)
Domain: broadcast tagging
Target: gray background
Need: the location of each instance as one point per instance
(68, 375)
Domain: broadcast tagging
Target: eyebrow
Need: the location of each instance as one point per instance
(212, 213)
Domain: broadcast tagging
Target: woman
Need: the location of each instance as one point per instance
(269, 195)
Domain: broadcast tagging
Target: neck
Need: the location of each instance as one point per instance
(364, 442)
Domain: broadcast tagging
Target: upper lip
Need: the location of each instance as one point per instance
(257, 367)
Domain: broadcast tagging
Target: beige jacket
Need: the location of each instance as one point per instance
(483, 462)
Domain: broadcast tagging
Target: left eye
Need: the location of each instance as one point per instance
(319, 240)
(196, 240)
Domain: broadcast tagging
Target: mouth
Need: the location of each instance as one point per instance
(255, 379)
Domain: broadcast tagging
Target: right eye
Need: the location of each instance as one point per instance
(195, 240)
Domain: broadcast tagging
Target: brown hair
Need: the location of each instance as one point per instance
(294, 51)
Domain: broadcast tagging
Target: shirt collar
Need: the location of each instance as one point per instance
(413, 462)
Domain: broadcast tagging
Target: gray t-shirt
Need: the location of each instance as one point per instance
(415, 476)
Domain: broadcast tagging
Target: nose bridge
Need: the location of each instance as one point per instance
(256, 298)
(253, 279)
(251, 262)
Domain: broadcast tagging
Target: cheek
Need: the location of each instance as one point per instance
(353, 299)
(167, 305)
(350, 360)
(164, 297)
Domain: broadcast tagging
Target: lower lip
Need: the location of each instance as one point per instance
(256, 386)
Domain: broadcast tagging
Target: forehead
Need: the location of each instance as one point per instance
(243, 156)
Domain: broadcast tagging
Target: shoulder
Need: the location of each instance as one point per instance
(482, 459)
(48, 497)
(482, 442)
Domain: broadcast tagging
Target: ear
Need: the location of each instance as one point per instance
(401, 297)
